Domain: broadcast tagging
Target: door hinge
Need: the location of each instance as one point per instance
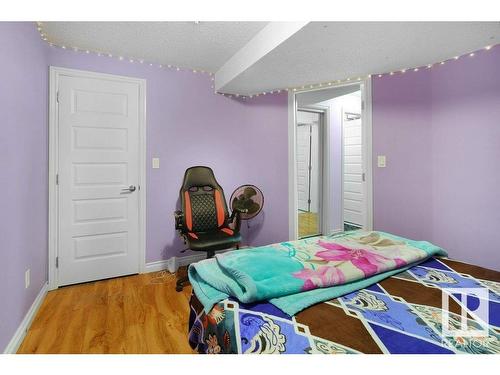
(363, 177)
(57, 262)
(57, 97)
(57, 179)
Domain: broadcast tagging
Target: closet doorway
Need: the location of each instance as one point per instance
(309, 171)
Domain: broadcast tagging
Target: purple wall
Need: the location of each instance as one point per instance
(402, 131)
(440, 131)
(23, 166)
(187, 124)
(466, 158)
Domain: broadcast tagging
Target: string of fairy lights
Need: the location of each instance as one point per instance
(307, 87)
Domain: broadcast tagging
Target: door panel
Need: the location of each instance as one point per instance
(98, 158)
(90, 138)
(100, 246)
(352, 217)
(100, 174)
(100, 210)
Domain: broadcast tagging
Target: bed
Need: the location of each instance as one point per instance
(401, 313)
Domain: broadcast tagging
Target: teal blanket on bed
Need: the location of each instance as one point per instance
(297, 274)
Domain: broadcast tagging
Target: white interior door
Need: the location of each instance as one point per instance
(98, 157)
(354, 196)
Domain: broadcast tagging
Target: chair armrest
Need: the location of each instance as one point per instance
(179, 220)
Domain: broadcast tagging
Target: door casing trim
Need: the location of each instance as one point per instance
(366, 113)
(53, 234)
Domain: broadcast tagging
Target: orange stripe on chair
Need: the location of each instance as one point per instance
(219, 207)
(192, 235)
(228, 231)
(189, 214)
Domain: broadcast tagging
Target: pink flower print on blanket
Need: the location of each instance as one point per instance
(367, 261)
(322, 277)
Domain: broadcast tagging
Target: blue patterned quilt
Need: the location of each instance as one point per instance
(439, 306)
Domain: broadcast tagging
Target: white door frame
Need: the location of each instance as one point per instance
(53, 236)
(366, 115)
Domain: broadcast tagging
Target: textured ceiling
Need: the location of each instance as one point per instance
(319, 52)
(327, 51)
(203, 46)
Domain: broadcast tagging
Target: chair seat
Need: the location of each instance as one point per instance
(217, 240)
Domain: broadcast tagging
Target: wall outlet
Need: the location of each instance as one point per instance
(381, 161)
(27, 278)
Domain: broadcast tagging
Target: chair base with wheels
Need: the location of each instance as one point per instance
(181, 282)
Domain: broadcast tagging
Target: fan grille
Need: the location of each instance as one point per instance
(247, 197)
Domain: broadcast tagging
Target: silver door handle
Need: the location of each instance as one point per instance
(130, 189)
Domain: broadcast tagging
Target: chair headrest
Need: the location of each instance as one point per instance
(199, 176)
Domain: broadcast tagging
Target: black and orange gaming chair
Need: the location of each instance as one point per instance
(204, 221)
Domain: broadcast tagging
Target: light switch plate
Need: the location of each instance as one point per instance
(156, 163)
(381, 161)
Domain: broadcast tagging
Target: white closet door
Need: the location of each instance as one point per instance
(353, 173)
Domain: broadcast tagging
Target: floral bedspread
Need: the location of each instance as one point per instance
(294, 275)
(405, 313)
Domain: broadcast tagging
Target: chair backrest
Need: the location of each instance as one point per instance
(203, 201)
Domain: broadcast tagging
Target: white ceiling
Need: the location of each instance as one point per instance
(327, 51)
(317, 52)
(203, 46)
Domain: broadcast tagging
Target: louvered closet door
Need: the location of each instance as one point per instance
(354, 196)
(98, 161)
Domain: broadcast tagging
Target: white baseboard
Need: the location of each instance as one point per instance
(168, 264)
(173, 264)
(23, 328)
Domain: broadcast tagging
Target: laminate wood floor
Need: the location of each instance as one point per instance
(132, 314)
(308, 224)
